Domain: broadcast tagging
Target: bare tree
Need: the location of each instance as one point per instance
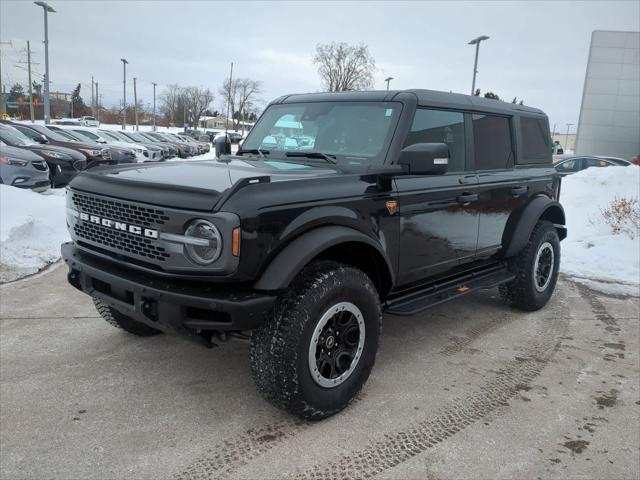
(169, 102)
(247, 91)
(197, 101)
(343, 67)
(229, 96)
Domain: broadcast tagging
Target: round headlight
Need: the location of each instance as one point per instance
(206, 246)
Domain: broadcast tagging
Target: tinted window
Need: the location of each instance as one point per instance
(595, 162)
(492, 142)
(439, 126)
(572, 165)
(536, 140)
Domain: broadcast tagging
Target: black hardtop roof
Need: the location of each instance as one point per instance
(426, 98)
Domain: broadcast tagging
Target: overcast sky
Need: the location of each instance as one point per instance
(537, 50)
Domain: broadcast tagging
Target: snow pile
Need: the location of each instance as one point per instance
(32, 227)
(592, 254)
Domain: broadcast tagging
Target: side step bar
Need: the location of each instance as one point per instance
(435, 294)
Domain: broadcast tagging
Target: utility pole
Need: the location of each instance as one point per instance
(30, 86)
(135, 102)
(154, 105)
(97, 104)
(567, 136)
(124, 93)
(93, 98)
(2, 91)
(388, 79)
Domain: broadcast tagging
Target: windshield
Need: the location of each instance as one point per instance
(70, 136)
(111, 136)
(51, 134)
(14, 137)
(357, 132)
(135, 136)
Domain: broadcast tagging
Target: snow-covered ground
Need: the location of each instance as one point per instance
(591, 253)
(32, 227)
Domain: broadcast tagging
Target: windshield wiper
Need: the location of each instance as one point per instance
(255, 151)
(324, 156)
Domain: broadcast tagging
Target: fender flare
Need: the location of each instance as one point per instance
(300, 251)
(541, 206)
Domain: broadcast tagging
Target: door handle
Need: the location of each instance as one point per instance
(517, 191)
(466, 198)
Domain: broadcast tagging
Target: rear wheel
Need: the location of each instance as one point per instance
(536, 269)
(316, 350)
(118, 320)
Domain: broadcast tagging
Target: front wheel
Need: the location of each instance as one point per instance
(318, 346)
(536, 269)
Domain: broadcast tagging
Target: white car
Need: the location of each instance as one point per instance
(88, 122)
(94, 135)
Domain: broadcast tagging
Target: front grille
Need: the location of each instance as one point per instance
(42, 165)
(122, 212)
(122, 241)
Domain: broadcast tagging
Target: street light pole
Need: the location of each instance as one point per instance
(47, 9)
(154, 105)
(476, 41)
(388, 79)
(124, 93)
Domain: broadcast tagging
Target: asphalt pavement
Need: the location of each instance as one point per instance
(467, 390)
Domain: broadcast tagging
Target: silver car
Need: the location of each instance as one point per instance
(24, 169)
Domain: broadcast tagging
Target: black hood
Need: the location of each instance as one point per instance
(195, 185)
(74, 154)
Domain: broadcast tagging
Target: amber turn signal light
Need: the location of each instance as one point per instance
(235, 242)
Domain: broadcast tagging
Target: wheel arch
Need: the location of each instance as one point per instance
(333, 242)
(519, 227)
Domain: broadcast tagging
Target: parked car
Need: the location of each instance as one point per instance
(576, 164)
(635, 160)
(202, 147)
(22, 168)
(185, 149)
(169, 149)
(64, 163)
(96, 154)
(150, 152)
(120, 147)
(408, 199)
(89, 122)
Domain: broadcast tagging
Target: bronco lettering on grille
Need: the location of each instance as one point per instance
(124, 227)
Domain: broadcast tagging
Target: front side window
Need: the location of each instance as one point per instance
(354, 132)
(595, 162)
(572, 165)
(440, 126)
(492, 142)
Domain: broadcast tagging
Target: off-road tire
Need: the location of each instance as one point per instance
(279, 353)
(118, 320)
(521, 292)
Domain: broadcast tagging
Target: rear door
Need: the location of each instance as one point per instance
(501, 187)
(438, 219)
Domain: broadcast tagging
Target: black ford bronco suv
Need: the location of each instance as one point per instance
(336, 209)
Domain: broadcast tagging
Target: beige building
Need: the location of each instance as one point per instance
(568, 142)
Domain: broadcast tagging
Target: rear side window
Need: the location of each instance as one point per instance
(492, 142)
(536, 139)
(440, 126)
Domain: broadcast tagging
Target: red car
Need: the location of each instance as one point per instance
(635, 160)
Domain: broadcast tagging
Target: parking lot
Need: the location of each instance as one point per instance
(467, 390)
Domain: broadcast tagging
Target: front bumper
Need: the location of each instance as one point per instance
(178, 307)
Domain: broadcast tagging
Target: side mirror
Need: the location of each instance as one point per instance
(425, 159)
(41, 139)
(223, 146)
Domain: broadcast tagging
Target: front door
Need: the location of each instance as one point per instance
(438, 221)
